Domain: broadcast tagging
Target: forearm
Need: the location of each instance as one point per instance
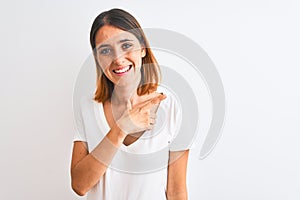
(91, 168)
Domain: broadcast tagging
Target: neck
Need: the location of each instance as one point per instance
(123, 95)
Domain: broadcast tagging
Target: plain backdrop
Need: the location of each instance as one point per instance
(254, 45)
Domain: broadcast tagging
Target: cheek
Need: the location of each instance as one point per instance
(136, 58)
(104, 64)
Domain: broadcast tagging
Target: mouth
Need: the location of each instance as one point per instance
(122, 70)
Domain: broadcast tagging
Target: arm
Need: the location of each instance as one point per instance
(176, 185)
(88, 168)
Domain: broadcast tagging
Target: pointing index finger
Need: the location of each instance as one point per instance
(154, 101)
(158, 99)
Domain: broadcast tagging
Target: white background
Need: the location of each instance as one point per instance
(254, 45)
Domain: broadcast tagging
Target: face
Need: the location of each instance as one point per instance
(119, 55)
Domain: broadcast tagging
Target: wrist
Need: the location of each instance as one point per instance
(120, 134)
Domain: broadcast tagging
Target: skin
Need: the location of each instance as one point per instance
(117, 49)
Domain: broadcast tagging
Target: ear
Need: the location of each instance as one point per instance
(143, 52)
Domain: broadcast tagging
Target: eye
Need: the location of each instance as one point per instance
(105, 51)
(126, 45)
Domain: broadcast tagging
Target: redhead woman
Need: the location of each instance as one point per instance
(135, 115)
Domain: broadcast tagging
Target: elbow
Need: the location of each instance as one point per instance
(182, 195)
(77, 185)
(77, 189)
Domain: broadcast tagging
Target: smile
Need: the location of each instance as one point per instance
(122, 70)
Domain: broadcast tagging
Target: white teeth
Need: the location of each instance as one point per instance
(122, 70)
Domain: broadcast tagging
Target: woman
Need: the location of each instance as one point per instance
(127, 98)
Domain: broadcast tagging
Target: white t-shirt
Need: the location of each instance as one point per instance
(137, 171)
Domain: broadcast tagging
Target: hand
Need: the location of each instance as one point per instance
(141, 117)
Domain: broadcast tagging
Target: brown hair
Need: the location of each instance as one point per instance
(150, 71)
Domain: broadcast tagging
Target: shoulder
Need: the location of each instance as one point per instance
(171, 109)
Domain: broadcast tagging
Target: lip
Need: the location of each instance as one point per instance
(120, 73)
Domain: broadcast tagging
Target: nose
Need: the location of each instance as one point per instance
(119, 57)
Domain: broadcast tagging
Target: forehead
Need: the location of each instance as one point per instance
(110, 34)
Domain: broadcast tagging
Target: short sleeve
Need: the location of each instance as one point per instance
(80, 134)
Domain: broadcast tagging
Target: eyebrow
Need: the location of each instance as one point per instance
(106, 45)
